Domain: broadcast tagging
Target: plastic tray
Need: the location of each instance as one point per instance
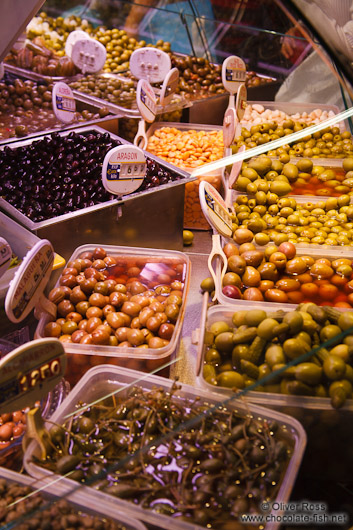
(328, 429)
(99, 381)
(292, 108)
(193, 216)
(331, 253)
(82, 356)
(85, 503)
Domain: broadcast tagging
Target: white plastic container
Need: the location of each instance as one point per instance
(80, 357)
(100, 381)
(83, 503)
(332, 253)
(193, 216)
(328, 454)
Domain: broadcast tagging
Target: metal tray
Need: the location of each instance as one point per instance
(150, 218)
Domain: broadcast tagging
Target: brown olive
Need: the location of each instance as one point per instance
(69, 270)
(172, 312)
(131, 308)
(88, 284)
(69, 327)
(127, 318)
(90, 272)
(110, 261)
(65, 307)
(145, 314)
(83, 324)
(120, 288)
(82, 307)
(98, 253)
(94, 311)
(76, 317)
(156, 342)
(97, 299)
(102, 288)
(92, 324)
(115, 320)
(136, 287)
(166, 331)
(111, 284)
(86, 339)
(133, 272)
(52, 329)
(153, 323)
(77, 295)
(156, 306)
(56, 295)
(174, 299)
(117, 299)
(87, 255)
(135, 337)
(121, 333)
(108, 308)
(78, 335)
(99, 264)
(101, 335)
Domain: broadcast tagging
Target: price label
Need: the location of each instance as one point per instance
(124, 168)
(29, 372)
(64, 104)
(150, 64)
(29, 281)
(229, 125)
(215, 209)
(146, 100)
(89, 55)
(5, 256)
(72, 38)
(169, 86)
(233, 73)
(241, 102)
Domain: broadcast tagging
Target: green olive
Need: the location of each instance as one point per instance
(230, 379)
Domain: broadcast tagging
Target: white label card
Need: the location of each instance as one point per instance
(150, 64)
(233, 73)
(89, 55)
(215, 209)
(146, 100)
(29, 281)
(64, 104)
(72, 38)
(229, 124)
(170, 84)
(29, 372)
(5, 256)
(124, 169)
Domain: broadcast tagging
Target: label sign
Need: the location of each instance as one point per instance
(146, 100)
(170, 84)
(5, 256)
(89, 55)
(29, 281)
(229, 124)
(236, 168)
(29, 372)
(233, 73)
(64, 104)
(241, 102)
(124, 169)
(150, 64)
(72, 38)
(215, 209)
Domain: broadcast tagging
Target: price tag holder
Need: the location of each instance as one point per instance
(124, 168)
(241, 101)
(72, 38)
(89, 55)
(169, 86)
(146, 100)
(29, 372)
(150, 63)
(233, 73)
(64, 104)
(215, 209)
(230, 121)
(236, 168)
(26, 289)
(5, 256)
(2, 70)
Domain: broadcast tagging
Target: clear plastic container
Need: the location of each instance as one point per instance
(310, 250)
(84, 504)
(102, 380)
(81, 357)
(193, 216)
(328, 429)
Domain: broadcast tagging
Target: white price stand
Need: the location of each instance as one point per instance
(147, 105)
(233, 73)
(5, 256)
(217, 214)
(64, 104)
(26, 288)
(89, 55)
(72, 38)
(150, 64)
(29, 372)
(169, 86)
(124, 168)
